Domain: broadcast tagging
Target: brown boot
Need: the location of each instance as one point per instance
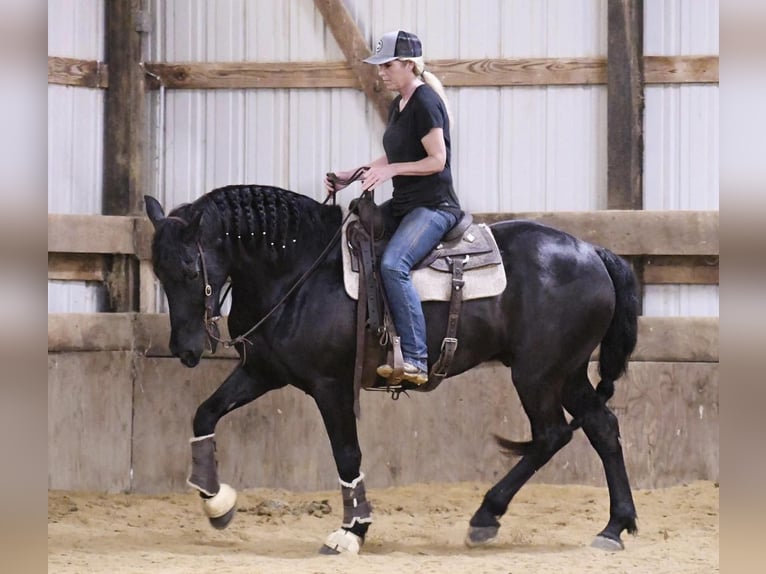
(412, 374)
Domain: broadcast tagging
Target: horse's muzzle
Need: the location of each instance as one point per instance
(189, 358)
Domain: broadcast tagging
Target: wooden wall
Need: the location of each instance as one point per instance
(665, 247)
(121, 420)
(120, 407)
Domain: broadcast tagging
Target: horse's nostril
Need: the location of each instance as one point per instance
(188, 358)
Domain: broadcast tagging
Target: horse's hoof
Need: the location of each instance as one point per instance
(221, 522)
(220, 508)
(609, 544)
(480, 535)
(342, 541)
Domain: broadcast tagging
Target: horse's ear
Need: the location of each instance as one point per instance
(191, 231)
(154, 210)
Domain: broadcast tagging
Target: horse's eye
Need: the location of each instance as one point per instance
(191, 274)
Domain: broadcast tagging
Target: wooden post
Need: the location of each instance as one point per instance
(125, 131)
(625, 112)
(625, 105)
(125, 120)
(355, 49)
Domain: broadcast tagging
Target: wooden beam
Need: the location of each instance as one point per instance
(681, 69)
(355, 48)
(90, 234)
(122, 284)
(625, 105)
(631, 232)
(488, 72)
(75, 72)
(143, 233)
(677, 270)
(683, 339)
(77, 267)
(125, 117)
(519, 72)
(147, 296)
(249, 75)
(90, 332)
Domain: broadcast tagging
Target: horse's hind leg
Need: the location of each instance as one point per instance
(550, 432)
(603, 431)
(219, 499)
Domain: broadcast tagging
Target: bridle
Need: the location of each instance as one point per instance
(213, 306)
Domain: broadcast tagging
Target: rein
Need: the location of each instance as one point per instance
(212, 317)
(336, 181)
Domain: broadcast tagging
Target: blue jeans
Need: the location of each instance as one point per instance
(417, 234)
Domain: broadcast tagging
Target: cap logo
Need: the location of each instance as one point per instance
(379, 46)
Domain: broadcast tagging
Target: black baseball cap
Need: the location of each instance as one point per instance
(393, 45)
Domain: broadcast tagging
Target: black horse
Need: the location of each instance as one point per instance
(564, 298)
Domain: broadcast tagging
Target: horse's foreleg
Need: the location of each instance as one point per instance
(337, 413)
(357, 517)
(218, 500)
(602, 429)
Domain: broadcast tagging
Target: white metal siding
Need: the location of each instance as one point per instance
(514, 149)
(681, 137)
(75, 135)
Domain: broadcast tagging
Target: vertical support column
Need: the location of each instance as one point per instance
(143, 231)
(125, 131)
(625, 104)
(625, 111)
(125, 120)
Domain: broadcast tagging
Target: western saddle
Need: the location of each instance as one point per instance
(465, 246)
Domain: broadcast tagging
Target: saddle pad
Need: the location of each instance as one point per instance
(433, 285)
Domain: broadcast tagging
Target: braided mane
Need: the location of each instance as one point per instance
(269, 220)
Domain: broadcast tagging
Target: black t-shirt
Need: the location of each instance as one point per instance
(402, 143)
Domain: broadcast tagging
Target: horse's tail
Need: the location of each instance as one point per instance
(620, 338)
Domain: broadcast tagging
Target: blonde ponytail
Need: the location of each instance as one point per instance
(434, 82)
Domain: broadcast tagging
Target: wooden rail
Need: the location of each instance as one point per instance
(672, 339)
(666, 247)
(486, 72)
(626, 232)
(74, 72)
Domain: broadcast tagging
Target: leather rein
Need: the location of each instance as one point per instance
(213, 307)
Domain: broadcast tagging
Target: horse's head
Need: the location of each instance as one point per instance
(191, 273)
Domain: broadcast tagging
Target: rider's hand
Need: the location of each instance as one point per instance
(333, 187)
(375, 176)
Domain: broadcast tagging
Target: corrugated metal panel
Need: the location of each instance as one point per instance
(514, 149)
(547, 139)
(75, 149)
(681, 27)
(681, 137)
(76, 29)
(75, 297)
(681, 301)
(517, 148)
(75, 134)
